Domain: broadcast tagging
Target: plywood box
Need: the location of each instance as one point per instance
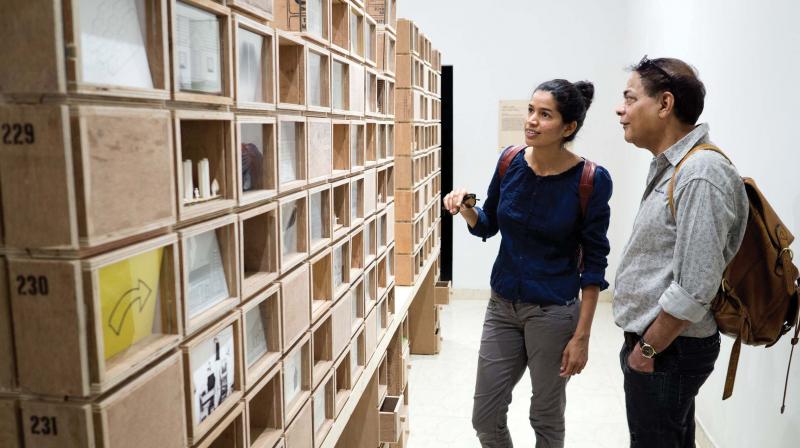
(387, 51)
(371, 95)
(342, 316)
(262, 344)
(297, 378)
(300, 432)
(411, 105)
(320, 217)
(292, 72)
(204, 137)
(342, 217)
(370, 240)
(340, 259)
(324, 408)
(340, 26)
(340, 85)
(318, 88)
(357, 253)
(390, 427)
(263, 9)
(343, 380)
(210, 271)
(407, 37)
(384, 12)
(357, 34)
(8, 370)
(370, 41)
(309, 19)
(202, 56)
(230, 432)
(112, 314)
(75, 164)
(296, 309)
(292, 153)
(254, 51)
(357, 211)
(213, 374)
(370, 192)
(322, 349)
(294, 230)
(264, 410)
(424, 319)
(321, 284)
(362, 429)
(357, 89)
(383, 378)
(55, 57)
(341, 148)
(258, 250)
(320, 149)
(443, 293)
(147, 411)
(256, 158)
(358, 311)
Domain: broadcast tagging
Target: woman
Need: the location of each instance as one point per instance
(551, 248)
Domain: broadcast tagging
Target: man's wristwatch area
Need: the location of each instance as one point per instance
(647, 350)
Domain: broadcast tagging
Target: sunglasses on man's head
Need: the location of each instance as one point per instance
(469, 201)
(647, 63)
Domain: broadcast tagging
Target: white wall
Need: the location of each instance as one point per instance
(746, 52)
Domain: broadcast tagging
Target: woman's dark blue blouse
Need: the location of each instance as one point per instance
(540, 221)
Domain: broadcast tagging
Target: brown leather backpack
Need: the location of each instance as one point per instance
(757, 301)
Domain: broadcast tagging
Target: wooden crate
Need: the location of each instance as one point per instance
(296, 305)
(342, 219)
(358, 304)
(357, 89)
(340, 260)
(371, 95)
(262, 344)
(357, 253)
(209, 256)
(292, 71)
(383, 378)
(321, 349)
(411, 105)
(324, 408)
(9, 424)
(308, 19)
(101, 310)
(387, 51)
(390, 264)
(230, 432)
(318, 87)
(371, 327)
(320, 217)
(321, 284)
(292, 153)
(297, 378)
(8, 370)
(383, 232)
(254, 58)
(370, 154)
(64, 169)
(342, 324)
(370, 41)
(343, 381)
(340, 26)
(357, 212)
(442, 292)
(341, 148)
(407, 37)
(148, 411)
(382, 188)
(51, 58)
(390, 427)
(294, 232)
(384, 12)
(264, 410)
(205, 135)
(370, 240)
(258, 249)
(371, 286)
(410, 72)
(212, 82)
(262, 9)
(391, 183)
(213, 375)
(256, 159)
(386, 94)
(357, 33)
(410, 204)
(370, 192)
(320, 149)
(340, 85)
(300, 432)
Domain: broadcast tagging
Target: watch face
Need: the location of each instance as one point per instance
(648, 351)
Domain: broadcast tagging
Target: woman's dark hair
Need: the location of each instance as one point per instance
(572, 100)
(677, 77)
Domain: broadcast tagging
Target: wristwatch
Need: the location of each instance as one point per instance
(647, 350)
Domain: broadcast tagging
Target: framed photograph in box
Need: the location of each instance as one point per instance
(210, 271)
(294, 232)
(320, 149)
(261, 334)
(120, 51)
(340, 85)
(264, 409)
(113, 314)
(318, 79)
(213, 374)
(291, 72)
(263, 9)
(201, 52)
(254, 46)
(311, 19)
(292, 153)
(324, 401)
(319, 203)
(206, 167)
(147, 411)
(257, 159)
(296, 302)
(297, 377)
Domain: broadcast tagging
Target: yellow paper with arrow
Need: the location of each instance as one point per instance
(129, 299)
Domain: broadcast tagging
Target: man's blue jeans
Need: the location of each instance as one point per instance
(660, 405)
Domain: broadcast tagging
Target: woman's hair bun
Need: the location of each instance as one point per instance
(587, 91)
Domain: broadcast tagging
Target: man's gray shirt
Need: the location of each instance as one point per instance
(676, 264)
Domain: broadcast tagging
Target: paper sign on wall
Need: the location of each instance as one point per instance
(511, 125)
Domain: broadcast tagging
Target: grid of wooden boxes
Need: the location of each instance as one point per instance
(198, 221)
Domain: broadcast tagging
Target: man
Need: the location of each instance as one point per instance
(672, 265)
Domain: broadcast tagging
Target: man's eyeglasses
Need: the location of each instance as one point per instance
(469, 201)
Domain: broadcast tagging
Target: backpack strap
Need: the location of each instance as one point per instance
(671, 188)
(586, 187)
(795, 340)
(508, 155)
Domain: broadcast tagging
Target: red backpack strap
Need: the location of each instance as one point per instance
(508, 155)
(586, 186)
